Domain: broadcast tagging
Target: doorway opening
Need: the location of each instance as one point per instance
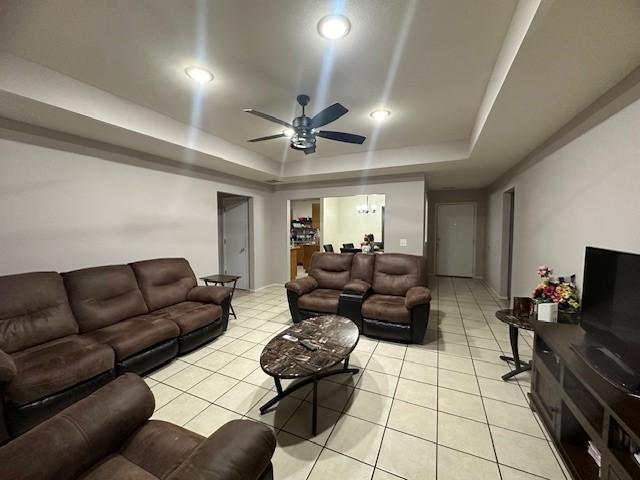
(235, 249)
(304, 234)
(455, 239)
(508, 202)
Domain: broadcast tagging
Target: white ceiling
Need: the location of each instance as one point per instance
(430, 62)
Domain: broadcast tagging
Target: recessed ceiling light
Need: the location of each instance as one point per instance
(333, 27)
(199, 74)
(288, 132)
(380, 114)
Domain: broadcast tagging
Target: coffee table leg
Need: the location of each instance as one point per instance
(282, 393)
(314, 417)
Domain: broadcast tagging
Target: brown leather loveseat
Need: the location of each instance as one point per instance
(384, 294)
(64, 335)
(108, 435)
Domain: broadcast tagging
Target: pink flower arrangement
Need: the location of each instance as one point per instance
(560, 291)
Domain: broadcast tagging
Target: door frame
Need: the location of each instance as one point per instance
(508, 233)
(475, 234)
(250, 246)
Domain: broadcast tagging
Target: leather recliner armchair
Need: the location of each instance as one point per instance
(319, 292)
(108, 435)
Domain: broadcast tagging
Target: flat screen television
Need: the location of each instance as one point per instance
(611, 316)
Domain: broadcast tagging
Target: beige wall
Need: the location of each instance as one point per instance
(341, 222)
(585, 193)
(479, 197)
(62, 210)
(68, 204)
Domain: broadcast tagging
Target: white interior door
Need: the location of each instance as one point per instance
(235, 230)
(455, 239)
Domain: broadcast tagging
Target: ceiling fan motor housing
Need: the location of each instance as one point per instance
(303, 137)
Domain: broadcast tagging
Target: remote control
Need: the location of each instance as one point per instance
(291, 338)
(308, 345)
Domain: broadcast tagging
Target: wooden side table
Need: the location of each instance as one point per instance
(515, 323)
(221, 279)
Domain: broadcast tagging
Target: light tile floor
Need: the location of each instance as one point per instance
(436, 410)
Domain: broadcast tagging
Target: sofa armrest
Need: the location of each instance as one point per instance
(357, 286)
(302, 285)
(417, 296)
(7, 368)
(239, 450)
(67, 444)
(209, 294)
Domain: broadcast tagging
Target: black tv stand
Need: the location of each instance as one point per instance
(578, 407)
(610, 366)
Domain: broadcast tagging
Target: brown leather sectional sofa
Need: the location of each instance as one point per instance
(384, 294)
(108, 435)
(64, 335)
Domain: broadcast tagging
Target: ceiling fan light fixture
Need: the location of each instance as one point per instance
(198, 74)
(333, 27)
(288, 132)
(380, 114)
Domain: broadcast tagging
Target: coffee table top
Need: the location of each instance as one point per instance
(521, 321)
(337, 337)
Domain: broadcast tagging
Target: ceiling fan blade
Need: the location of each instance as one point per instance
(341, 136)
(309, 150)
(269, 137)
(266, 116)
(328, 115)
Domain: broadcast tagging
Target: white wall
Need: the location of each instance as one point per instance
(585, 193)
(404, 215)
(62, 210)
(303, 208)
(341, 222)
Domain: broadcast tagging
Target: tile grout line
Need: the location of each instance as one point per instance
(369, 355)
(393, 398)
(484, 408)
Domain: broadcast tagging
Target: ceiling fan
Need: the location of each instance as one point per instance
(304, 130)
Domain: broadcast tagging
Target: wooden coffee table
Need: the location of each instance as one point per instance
(283, 359)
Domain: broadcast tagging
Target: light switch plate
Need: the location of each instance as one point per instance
(403, 242)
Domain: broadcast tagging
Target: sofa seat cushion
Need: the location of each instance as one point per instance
(57, 365)
(135, 334)
(190, 316)
(117, 466)
(389, 308)
(320, 300)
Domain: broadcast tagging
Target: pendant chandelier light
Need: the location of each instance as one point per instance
(366, 208)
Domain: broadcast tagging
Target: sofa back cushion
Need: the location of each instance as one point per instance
(33, 309)
(164, 281)
(395, 273)
(102, 296)
(331, 270)
(362, 267)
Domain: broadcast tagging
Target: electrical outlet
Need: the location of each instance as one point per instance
(403, 242)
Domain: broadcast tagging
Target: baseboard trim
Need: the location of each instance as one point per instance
(493, 292)
(267, 286)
